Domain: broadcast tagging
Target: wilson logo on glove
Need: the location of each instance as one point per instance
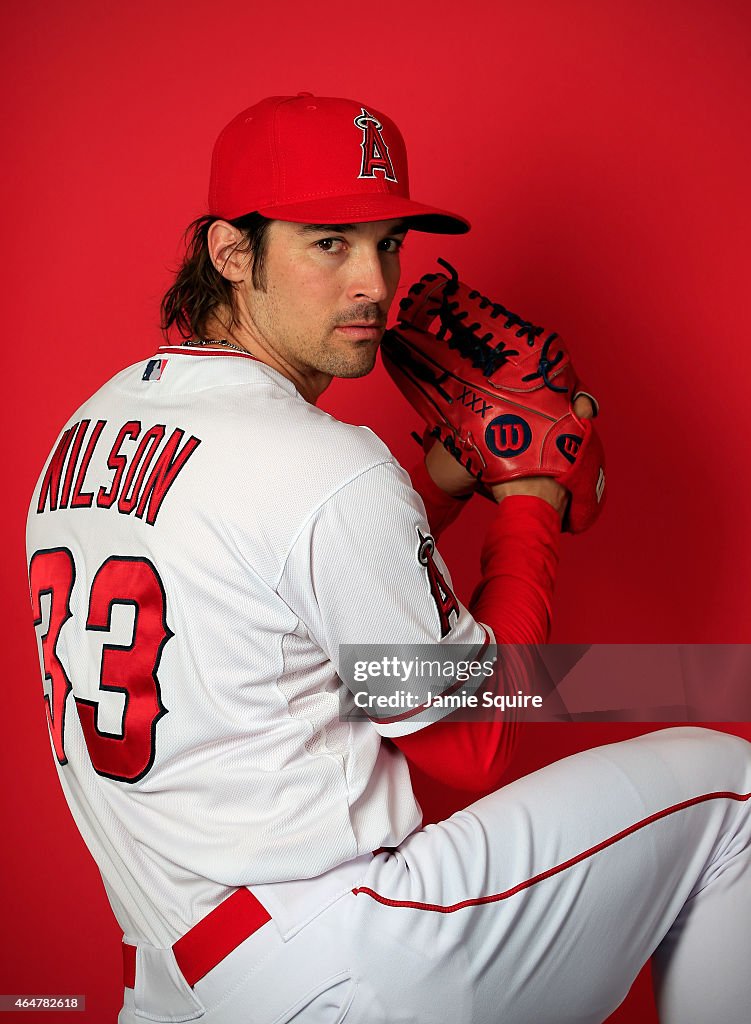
(457, 356)
(568, 445)
(508, 436)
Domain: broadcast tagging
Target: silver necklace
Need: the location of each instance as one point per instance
(207, 342)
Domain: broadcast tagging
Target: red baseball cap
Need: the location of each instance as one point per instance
(317, 160)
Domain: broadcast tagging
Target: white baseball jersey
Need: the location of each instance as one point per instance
(201, 542)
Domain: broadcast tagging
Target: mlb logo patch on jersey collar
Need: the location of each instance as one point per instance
(154, 369)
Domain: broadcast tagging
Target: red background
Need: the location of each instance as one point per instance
(601, 151)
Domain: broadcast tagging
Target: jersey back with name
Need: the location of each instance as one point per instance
(200, 542)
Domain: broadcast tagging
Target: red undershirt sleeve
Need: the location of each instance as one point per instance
(518, 565)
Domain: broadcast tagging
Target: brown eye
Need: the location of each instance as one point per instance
(330, 244)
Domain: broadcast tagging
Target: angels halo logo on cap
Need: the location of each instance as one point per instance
(297, 158)
(375, 152)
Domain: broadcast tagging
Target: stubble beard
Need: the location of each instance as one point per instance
(357, 362)
(332, 353)
(358, 358)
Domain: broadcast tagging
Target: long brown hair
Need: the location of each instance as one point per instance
(199, 290)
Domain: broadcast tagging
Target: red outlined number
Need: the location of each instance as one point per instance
(130, 669)
(52, 574)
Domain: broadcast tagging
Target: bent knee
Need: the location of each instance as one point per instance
(721, 754)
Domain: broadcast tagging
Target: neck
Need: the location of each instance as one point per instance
(310, 384)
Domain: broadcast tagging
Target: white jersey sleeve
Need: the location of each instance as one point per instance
(364, 573)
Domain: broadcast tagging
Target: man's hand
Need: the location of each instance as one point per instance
(447, 474)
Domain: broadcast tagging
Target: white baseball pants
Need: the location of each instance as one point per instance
(536, 905)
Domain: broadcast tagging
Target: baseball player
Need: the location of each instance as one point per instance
(205, 545)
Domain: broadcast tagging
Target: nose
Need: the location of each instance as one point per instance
(367, 280)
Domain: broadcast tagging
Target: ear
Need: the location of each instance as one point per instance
(223, 241)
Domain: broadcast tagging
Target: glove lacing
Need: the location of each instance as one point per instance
(477, 348)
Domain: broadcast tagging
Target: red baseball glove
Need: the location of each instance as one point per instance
(495, 392)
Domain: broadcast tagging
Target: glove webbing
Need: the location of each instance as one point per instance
(464, 338)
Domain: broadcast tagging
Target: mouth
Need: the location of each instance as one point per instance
(362, 331)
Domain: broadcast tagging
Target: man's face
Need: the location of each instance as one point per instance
(328, 292)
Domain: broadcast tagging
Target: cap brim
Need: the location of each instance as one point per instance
(360, 209)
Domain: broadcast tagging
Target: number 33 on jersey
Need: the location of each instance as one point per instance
(128, 668)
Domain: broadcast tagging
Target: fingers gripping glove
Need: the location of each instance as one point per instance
(495, 392)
